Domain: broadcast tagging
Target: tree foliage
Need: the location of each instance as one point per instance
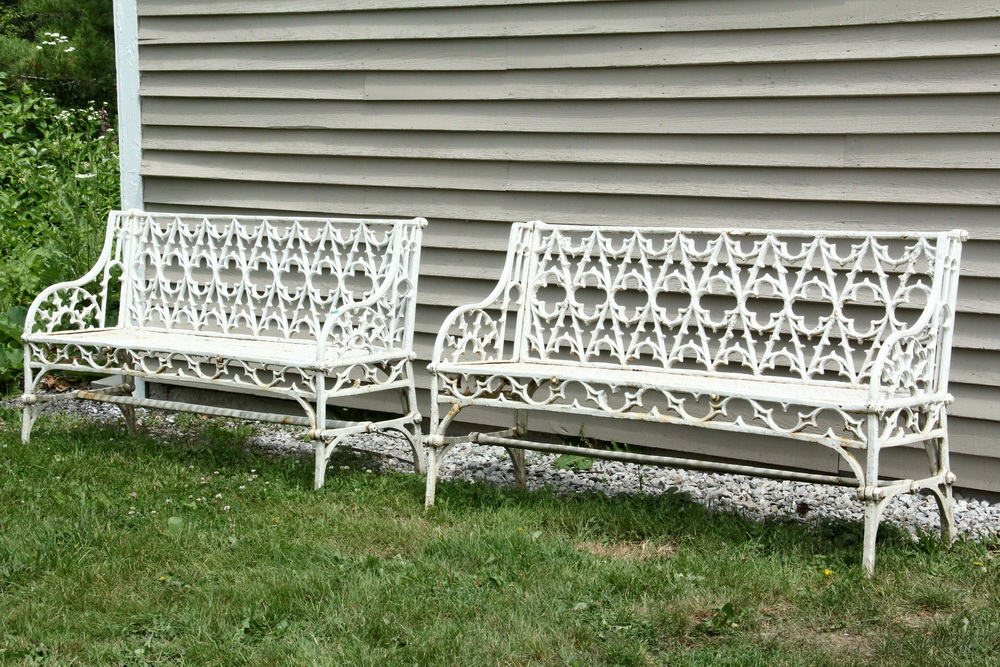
(62, 47)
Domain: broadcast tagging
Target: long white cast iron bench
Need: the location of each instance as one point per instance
(838, 340)
(307, 309)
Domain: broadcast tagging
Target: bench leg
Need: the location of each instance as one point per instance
(324, 448)
(520, 470)
(873, 514)
(517, 454)
(874, 499)
(28, 417)
(321, 449)
(435, 455)
(938, 457)
(128, 413)
(408, 398)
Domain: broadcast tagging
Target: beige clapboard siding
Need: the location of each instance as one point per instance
(882, 115)
(212, 7)
(927, 151)
(556, 18)
(843, 44)
(861, 78)
(930, 186)
(980, 221)
(475, 114)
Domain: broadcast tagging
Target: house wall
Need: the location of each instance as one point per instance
(816, 114)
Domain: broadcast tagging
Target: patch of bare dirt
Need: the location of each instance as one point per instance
(626, 550)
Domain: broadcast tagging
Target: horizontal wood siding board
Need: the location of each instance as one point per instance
(547, 19)
(214, 7)
(975, 367)
(964, 187)
(917, 40)
(918, 151)
(980, 221)
(855, 79)
(817, 116)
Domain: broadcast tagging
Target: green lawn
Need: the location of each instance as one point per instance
(190, 550)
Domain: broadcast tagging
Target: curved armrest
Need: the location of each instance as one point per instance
(373, 323)
(907, 360)
(917, 358)
(471, 331)
(64, 306)
(69, 305)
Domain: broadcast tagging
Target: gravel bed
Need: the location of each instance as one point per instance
(752, 497)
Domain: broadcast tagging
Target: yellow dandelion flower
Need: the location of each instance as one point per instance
(827, 573)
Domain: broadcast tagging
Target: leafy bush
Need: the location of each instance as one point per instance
(64, 47)
(58, 180)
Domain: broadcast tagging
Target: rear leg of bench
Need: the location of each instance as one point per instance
(938, 457)
(408, 399)
(516, 453)
(128, 411)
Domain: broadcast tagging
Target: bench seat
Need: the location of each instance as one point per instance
(617, 380)
(156, 344)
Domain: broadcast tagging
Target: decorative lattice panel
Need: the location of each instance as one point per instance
(783, 304)
(263, 278)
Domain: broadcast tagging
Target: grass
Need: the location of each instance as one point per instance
(190, 549)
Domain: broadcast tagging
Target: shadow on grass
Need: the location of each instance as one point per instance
(210, 445)
(675, 516)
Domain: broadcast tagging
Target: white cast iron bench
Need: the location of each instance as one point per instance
(307, 309)
(840, 340)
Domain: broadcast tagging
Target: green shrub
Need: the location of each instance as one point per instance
(58, 180)
(64, 47)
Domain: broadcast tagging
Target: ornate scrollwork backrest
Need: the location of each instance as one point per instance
(782, 304)
(265, 276)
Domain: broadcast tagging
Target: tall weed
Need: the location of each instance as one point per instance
(58, 180)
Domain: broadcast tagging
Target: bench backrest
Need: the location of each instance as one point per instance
(262, 276)
(809, 306)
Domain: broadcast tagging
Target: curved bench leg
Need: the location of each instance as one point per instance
(324, 448)
(29, 415)
(434, 445)
(937, 454)
(873, 514)
(30, 409)
(516, 453)
(520, 470)
(408, 398)
(128, 413)
(435, 455)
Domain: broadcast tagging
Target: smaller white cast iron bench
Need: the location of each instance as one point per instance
(837, 340)
(306, 309)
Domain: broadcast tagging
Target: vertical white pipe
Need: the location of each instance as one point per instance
(129, 119)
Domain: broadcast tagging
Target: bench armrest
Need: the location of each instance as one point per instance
(472, 333)
(917, 360)
(908, 362)
(76, 304)
(478, 332)
(370, 327)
